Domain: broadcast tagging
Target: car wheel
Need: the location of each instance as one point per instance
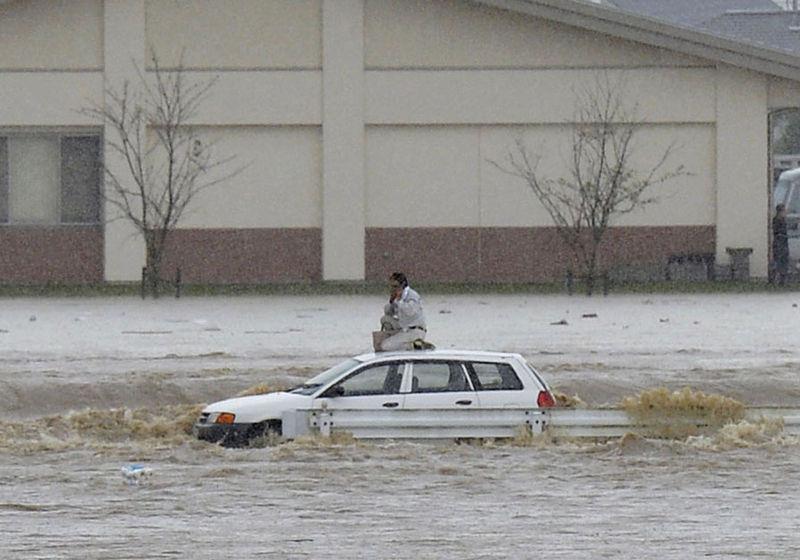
(264, 434)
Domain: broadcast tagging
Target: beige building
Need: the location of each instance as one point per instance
(368, 128)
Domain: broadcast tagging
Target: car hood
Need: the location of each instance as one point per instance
(256, 408)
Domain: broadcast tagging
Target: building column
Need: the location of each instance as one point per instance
(123, 53)
(742, 169)
(343, 142)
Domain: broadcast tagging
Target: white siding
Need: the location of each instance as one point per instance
(279, 182)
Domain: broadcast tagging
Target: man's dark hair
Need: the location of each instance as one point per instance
(780, 207)
(400, 278)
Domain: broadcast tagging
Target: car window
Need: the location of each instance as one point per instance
(495, 377)
(793, 204)
(383, 379)
(438, 377)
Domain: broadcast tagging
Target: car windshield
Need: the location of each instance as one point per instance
(793, 204)
(310, 386)
(781, 190)
(787, 192)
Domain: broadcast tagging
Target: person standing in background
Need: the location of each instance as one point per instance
(780, 245)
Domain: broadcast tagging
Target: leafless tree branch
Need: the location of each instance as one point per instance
(166, 162)
(601, 182)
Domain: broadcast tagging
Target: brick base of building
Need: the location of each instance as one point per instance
(520, 255)
(74, 254)
(38, 255)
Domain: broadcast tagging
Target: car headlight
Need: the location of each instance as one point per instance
(225, 418)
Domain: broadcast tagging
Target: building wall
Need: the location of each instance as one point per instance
(467, 106)
(264, 223)
(51, 255)
(782, 94)
(51, 35)
(451, 34)
(743, 181)
(368, 131)
(236, 34)
(48, 72)
(446, 175)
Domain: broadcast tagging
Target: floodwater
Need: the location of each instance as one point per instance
(90, 386)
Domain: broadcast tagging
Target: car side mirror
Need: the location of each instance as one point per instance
(335, 391)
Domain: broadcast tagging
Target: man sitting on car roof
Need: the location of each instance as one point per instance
(403, 322)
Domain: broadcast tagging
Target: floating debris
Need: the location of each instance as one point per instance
(566, 401)
(262, 389)
(135, 473)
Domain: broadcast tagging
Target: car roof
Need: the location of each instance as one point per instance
(450, 354)
(790, 174)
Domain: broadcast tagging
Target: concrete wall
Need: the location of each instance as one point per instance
(782, 94)
(455, 34)
(532, 96)
(743, 182)
(51, 35)
(236, 34)
(276, 182)
(450, 171)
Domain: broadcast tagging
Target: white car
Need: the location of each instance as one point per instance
(440, 379)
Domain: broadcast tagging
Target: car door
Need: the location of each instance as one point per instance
(371, 387)
(439, 384)
(498, 385)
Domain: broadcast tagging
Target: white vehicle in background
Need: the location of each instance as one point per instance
(416, 380)
(787, 192)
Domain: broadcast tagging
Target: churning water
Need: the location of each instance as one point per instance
(96, 398)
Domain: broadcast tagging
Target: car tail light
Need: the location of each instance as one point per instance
(545, 400)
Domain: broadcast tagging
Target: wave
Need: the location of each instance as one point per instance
(112, 428)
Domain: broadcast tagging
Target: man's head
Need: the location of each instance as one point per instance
(398, 280)
(780, 208)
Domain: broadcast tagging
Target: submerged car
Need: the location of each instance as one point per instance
(425, 379)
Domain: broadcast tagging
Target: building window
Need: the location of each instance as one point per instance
(49, 179)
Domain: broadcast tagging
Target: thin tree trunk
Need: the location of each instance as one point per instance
(153, 264)
(591, 269)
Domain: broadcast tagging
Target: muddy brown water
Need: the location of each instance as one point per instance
(63, 493)
(75, 411)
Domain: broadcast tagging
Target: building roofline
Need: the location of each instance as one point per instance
(612, 21)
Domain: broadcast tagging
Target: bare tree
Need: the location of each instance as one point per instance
(166, 162)
(601, 181)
